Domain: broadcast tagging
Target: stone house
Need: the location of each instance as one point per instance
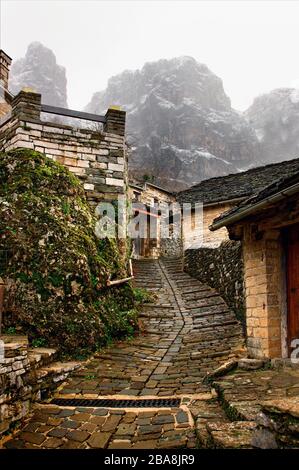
(152, 200)
(267, 224)
(217, 196)
(222, 193)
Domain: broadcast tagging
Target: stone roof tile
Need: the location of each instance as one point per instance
(238, 185)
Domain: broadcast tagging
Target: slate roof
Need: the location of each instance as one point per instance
(280, 185)
(237, 185)
(142, 186)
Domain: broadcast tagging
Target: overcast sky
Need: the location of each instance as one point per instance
(251, 45)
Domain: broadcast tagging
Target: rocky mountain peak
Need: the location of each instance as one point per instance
(180, 122)
(40, 71)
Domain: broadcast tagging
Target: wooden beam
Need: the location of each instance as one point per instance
(72, 113)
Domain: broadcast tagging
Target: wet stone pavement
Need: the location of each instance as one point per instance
(70, 428)
(186, 332)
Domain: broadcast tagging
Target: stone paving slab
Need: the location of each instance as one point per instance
(91, 428)
(245, 391)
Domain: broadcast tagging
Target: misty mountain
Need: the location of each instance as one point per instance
(180, 122)
(40, 71)
(275, 119)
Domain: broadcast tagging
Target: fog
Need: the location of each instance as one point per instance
(252, 45)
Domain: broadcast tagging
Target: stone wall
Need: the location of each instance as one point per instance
(203, 235)
(221, 268)
(14, 394)
(99, 159)
(263, 286)
(171, 247)
(25, 374)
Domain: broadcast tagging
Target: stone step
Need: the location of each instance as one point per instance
(234, 435)
(280, 417)
(187, 283)
(56, 372)
(214, 317)
(210, 310)
(211, 324)
(16, 339)
(203, 412)
(205, 294)
(41, 356)
(177, 278)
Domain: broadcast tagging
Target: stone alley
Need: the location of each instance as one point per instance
(187, 332)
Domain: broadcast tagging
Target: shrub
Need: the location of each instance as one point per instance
(55, 267)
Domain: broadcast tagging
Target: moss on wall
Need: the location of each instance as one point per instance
(55, 267)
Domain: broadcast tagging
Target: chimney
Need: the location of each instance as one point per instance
(5, 62)
(5, 97)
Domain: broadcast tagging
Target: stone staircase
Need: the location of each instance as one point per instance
(215, 334)
(256, 405)
(187, 331)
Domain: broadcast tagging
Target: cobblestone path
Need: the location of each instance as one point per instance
(186, 332)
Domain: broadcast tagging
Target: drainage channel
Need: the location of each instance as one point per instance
(115, 403)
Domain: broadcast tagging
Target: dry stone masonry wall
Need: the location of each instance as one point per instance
(99, 159)
(25, 373)
(14, 394)
(221, 268)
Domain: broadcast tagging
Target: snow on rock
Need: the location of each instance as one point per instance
(180, 122)
(275, 119)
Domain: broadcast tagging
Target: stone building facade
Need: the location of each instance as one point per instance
(197, 237)
(154, 199)
(267, 225)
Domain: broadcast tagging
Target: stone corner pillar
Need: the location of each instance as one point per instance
(26, 105)
(115, 121)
